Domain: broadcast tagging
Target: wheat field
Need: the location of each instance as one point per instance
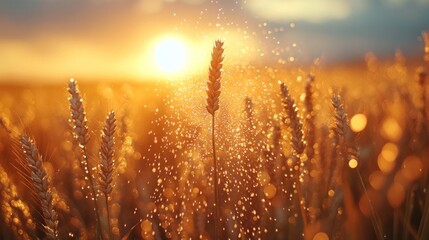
(246, 152)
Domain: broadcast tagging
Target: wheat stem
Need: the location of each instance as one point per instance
(216, 180)
(107, 162)
(310, 118)
(213, 93)
(342, 129)
(80, 128)
(298, 145)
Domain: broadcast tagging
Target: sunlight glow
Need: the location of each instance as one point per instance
(171, 56)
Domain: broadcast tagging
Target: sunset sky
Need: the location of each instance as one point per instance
(59, 39)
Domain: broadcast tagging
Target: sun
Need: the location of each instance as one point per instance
(171, 55)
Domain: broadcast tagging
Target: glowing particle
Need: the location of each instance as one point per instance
(391, 130)
(390, 152)
(353, 163)
(358, 122)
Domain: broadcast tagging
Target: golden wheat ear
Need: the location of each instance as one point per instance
(348, 150)
(310, 117)
(213, 93)
(107, 162)
(80, 131)
(78, 115)
(40, 182)
(215, 76)
(81, 135)
(106, 154)
(295, 124)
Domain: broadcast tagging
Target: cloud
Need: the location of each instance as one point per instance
(399, 3)
(305, 10)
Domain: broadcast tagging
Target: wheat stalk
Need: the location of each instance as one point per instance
(342, 131)
(313, 162)
(298, 143)
(213, 93)
(80, 128)
(41, 185)
(310, 117)
(107, 162)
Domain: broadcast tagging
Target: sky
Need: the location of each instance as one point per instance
(59, 39)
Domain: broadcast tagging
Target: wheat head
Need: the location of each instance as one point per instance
(40, 183)
(295, 124)
(106, 154)
(215, 75)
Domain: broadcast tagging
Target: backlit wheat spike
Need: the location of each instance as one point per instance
(106, 154)
(40, 183)
(107, 162)
(78, 115)
(341, 125)
(215, 75)
(348, 150)
(78, 119)
(310, 117)
(80, 128)
(213, 93)
(298, 143)
(343, 131)
(294, 120)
